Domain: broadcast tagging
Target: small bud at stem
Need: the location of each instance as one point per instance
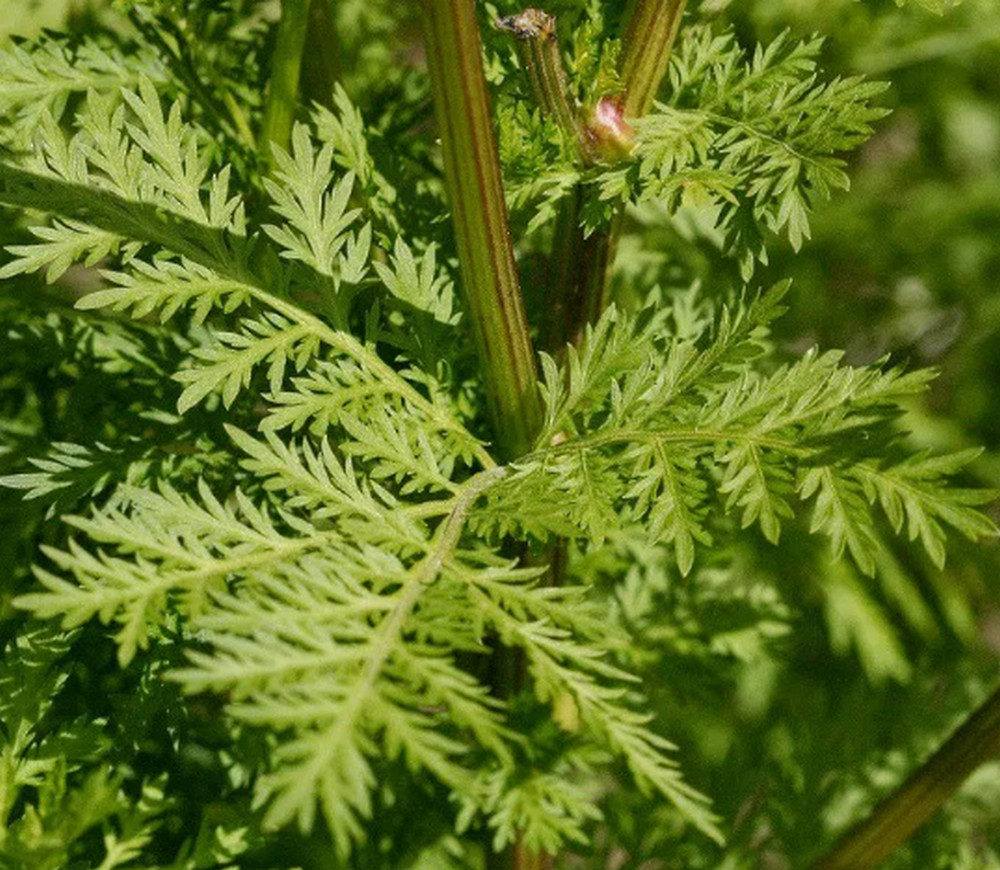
(610, 136)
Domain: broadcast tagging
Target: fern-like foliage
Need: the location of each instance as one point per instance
(756, 138)
(757, 134)
(673, 429)
(332, 591)
(40, 80)
(343, 583)
(38, 766)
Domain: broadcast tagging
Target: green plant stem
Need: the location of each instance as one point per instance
(892, 823)
(321, 63)
(286, 67)
(539, 50)
(479, 216)
(646, 46)
(591, 258)
(486, 259)
(562, 274)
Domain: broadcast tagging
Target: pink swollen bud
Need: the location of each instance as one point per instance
(611, 136)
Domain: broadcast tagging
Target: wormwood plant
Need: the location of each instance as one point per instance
(386, 487)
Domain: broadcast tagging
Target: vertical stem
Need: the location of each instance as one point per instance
(321, 65)
(286, 65)
(649, 38)
(479, 215)
(901, 813)
(593, 258)
(539, 50)
(563, 273)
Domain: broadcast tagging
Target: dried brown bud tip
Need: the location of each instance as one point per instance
(529, 24)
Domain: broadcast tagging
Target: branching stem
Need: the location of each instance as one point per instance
(580, 265)
(586, 262)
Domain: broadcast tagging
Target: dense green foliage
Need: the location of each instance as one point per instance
(271, 596)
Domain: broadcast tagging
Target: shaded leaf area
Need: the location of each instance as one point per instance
(78, 781)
